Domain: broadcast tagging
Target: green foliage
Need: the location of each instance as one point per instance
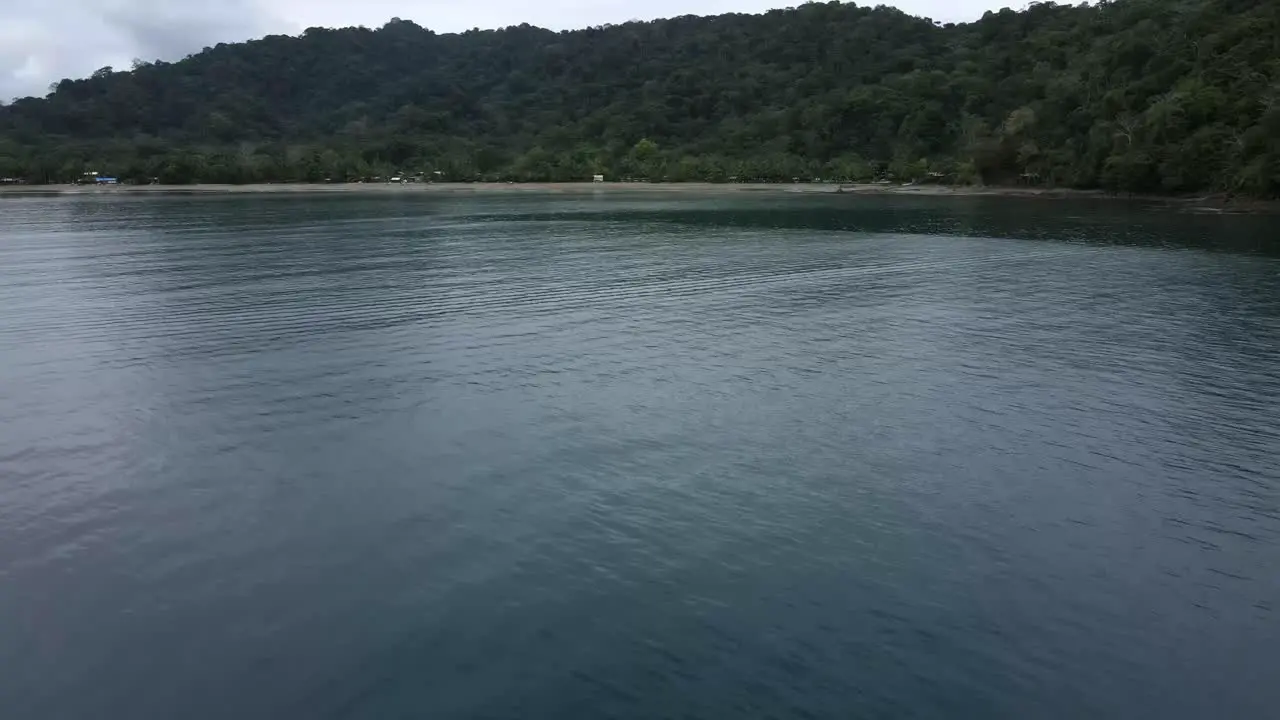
(1130, 95)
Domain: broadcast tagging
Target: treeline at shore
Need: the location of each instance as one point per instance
(1149, 96)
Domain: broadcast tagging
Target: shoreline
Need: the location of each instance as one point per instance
(1201, 203)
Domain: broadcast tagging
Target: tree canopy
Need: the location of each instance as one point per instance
(1169, 96)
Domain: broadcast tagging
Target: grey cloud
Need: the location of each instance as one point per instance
(162, 29)
(44, 42)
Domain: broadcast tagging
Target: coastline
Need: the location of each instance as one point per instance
(1201, 203)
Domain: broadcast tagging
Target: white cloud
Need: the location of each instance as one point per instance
(42, 41)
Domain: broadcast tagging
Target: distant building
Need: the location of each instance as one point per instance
(96, 178)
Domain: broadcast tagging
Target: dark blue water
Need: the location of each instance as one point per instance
(636, 457)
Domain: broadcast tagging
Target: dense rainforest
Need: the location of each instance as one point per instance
(1166, 96)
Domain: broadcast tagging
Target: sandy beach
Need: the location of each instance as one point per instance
(1203, 203)
(691, 188)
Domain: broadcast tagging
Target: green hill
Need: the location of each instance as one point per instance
(1166, 96)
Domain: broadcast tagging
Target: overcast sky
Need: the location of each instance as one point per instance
(42, 41)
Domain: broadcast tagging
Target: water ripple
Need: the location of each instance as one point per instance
(635, 457)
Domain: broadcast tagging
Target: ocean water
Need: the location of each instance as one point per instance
(636, 456)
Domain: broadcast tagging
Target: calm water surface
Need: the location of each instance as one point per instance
(636, 457)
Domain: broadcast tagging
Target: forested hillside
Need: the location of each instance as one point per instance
(1166, 96)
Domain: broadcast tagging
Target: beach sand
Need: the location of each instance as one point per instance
(1203, 203)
